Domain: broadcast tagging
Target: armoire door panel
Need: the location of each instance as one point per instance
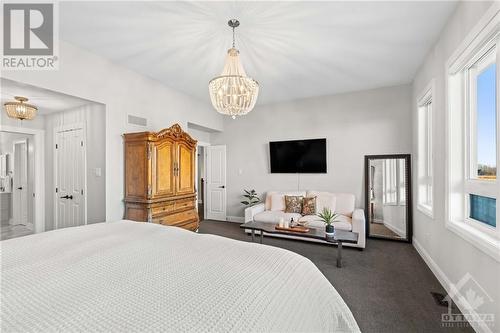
(163, 168)
(136, 169)
(185, 172)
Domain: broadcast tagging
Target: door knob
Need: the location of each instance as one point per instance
(20, 188)
(64, 197)
(222, 186)
(70, 197)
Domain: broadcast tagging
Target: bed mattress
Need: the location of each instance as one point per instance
(128, 276)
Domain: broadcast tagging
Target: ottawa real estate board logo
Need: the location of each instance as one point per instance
(30, 36)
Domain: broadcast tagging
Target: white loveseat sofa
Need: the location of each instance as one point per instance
(350, 218)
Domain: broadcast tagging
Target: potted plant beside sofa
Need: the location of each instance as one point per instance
(328, 217)
(251, 198)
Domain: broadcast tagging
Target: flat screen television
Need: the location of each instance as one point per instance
(298, 156)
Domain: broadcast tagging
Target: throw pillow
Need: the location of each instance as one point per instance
(277, 202)
(293, 204)
(309, 206)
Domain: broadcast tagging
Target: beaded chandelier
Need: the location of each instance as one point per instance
(20, 109)
(233, 93)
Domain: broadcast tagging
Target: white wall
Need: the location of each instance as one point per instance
(449, 255)
(122, 91)
(354, 124)
(93, 116)
(395, 219)
(199, 135)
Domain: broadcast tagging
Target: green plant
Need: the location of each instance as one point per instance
(328, 216)
(251, 198)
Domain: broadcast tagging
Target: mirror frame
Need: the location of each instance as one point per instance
(409, 215)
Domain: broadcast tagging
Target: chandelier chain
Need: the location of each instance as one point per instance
(233, 39)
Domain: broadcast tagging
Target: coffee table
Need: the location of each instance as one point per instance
(339, 237)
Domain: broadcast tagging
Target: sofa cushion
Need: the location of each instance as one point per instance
(344, 202)
(277, 202)
(270, 193)
(293, 204)
(344, 222)
(325, 200)
(269, 216)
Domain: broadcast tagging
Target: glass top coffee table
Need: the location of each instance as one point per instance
(339, 237)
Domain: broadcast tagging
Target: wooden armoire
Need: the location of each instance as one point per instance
(160, 178)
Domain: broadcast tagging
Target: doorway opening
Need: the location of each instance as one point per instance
(17, 184)
(200, 181)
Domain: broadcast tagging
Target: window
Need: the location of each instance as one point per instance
(390, 182)
(425, 159)
(483, 123)
(473, 131)
(483, 209)
(401, 182)
(394, 182)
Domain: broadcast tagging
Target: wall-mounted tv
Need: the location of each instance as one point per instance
(298, 156)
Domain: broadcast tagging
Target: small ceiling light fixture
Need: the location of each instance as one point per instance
(20, 109)
(233, 93)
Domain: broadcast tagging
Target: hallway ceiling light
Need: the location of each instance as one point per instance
(20, 109)
(233, 93)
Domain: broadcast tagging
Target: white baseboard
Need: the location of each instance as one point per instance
(448, 286)
(235, 219)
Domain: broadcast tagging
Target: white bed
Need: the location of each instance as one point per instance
(129, 276)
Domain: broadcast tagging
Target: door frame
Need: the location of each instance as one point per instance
(39, 181)
(196, 171)
(14, 143)
(67, 128)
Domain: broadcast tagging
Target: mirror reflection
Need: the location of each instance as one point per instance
(387, 193)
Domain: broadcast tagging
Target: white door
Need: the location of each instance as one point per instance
(20, 189)
(216, 183)
(70, 178)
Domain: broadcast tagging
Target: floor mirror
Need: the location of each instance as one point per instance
(388, 197)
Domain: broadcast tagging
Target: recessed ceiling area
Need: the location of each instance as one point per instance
(293, 49)
(47, 101)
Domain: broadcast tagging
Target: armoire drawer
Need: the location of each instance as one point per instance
(177, 218)
(160, 210)
(184, 204)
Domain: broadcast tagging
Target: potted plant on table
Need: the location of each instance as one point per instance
(251, 198)
(328, 217)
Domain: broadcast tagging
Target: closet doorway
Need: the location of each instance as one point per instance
(18, 183)
(20, 206)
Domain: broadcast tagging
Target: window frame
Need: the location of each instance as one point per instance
(473, 184)
(425, 173)
(484, 36)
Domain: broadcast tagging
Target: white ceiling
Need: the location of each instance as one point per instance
(294, 49)
(47, 101)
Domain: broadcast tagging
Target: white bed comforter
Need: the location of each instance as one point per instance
(129, 276)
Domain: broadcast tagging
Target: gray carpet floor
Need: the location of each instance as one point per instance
(387, 286)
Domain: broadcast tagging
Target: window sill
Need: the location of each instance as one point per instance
(479, 239)
(427, 210)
